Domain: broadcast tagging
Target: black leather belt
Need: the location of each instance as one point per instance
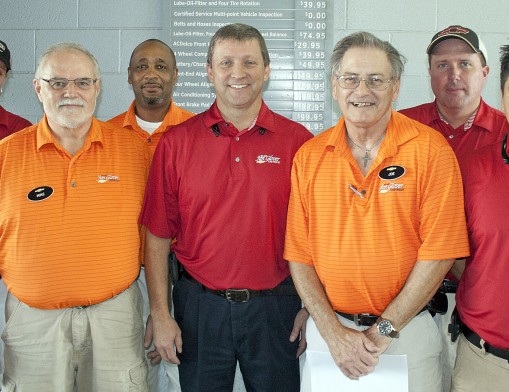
(361, 319)
(244, 295)
(364, 319)
(475, 339)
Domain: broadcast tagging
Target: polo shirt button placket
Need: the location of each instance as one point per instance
(237, 159)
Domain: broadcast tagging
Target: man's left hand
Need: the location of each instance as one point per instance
(299, 328)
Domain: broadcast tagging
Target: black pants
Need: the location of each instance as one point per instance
(217, 333)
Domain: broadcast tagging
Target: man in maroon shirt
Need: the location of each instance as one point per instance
(458, 70)
(9, 122)
(482, 363)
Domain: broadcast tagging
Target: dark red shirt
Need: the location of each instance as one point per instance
(225, 198)
(10, 123)
(489, 127)
(483, 293)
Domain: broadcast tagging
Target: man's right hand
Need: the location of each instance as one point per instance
(167, 338)
(353, 353)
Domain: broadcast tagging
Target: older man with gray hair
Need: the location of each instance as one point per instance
(72, 189)
(375, 221)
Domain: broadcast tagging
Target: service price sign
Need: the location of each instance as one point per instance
(296, 33)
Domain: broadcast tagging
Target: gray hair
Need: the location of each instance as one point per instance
(238, 32)
(363, 39)
(65, 47)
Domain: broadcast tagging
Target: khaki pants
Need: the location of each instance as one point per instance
(98, 348)
(420, 341)
(476, 370)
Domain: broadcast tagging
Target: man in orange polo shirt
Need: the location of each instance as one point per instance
(72, 189)
(375, 221)
(152, 73)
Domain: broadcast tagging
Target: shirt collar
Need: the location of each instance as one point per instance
(265, 119)
(400, 129)
(44, 135)
(469, 122)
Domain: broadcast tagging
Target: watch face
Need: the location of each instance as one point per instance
(385, 327)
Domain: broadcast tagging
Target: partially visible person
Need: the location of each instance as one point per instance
(9, 122)
(458, 70)
(152, 73)
(375, 221)
(72, 189)
(219, 184)
(482, 362)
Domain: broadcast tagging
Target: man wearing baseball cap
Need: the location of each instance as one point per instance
(9, 123)
(458, 70)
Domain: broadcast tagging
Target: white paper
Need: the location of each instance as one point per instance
(321, 374)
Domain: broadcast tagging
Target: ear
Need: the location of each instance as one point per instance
(395, 90)
(37, 87)
(209, 73)
(334, 84)
(98, 87)
(486, 71)
(129, 77)
(266, 73)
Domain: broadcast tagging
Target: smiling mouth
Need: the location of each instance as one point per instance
(362, 104)
(238, 86)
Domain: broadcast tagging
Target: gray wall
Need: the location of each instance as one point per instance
(111, 29)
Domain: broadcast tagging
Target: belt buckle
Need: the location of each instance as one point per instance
(357, 319)
(237, 295)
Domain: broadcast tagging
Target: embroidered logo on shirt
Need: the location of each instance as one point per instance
(40, 193)
(391, 187)
(391, 172)
(102, 178)
(268, 159)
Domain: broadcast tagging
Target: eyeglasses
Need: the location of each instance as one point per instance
(505, 157)
(373, 82)
(61, 83)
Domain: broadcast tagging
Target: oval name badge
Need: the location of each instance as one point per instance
(391, 172)
(40, 193)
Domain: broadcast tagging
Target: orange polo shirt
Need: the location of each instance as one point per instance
(68, 224)
(363, 245)
(174, 116)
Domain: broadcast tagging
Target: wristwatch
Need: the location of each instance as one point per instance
(385, 328)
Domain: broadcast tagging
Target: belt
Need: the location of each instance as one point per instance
(475, 339)
(364, 319)
(244, 295)
(360, 319)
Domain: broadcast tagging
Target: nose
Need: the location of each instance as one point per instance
(238, 70)
(70, 88)
(454, 72)
(363, 87)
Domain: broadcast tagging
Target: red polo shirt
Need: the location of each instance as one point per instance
(483, 293)
(10, 123)
(488, 127)
(225, 197)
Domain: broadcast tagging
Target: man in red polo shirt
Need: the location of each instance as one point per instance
(482, 363)
(220, 184)
(458, 69)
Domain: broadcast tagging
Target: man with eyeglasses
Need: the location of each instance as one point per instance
(482, 362)
(458, 71)
(72, 189)
(152, 73)
(374, 221)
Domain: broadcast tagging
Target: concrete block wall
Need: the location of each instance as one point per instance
(111, 29)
